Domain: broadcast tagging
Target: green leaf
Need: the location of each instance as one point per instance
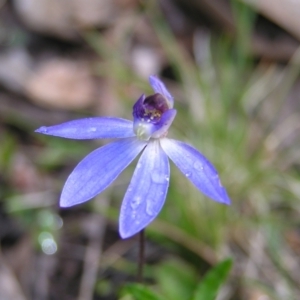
(211, 283)
(140, 292)
(176, 279)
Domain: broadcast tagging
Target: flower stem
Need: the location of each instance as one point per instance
(141, 256)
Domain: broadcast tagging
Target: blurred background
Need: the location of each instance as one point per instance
(233, 68)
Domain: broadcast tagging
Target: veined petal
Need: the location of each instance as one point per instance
(91, 128)
(98, 170)
(160, 88)
(147, 191)
(196, 168)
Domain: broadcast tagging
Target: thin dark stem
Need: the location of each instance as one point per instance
(141, 256)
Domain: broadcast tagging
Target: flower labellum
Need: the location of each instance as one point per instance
(147, 191)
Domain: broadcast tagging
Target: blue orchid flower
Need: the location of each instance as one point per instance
(146, 194)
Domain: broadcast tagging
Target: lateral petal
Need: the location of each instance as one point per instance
(91, 128)
(98, 170)
(147, 191)
(196, 168)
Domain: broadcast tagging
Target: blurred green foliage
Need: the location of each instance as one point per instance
(177, 281)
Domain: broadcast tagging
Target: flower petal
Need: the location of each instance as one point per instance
(91, 128)
(196, 168)
(98, 170)
(147, 191)
(160, 88)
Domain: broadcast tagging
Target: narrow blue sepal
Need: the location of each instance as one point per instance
(159, 87)
(91, 128)
(147, 191)
(196, 168)
(98, 170)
